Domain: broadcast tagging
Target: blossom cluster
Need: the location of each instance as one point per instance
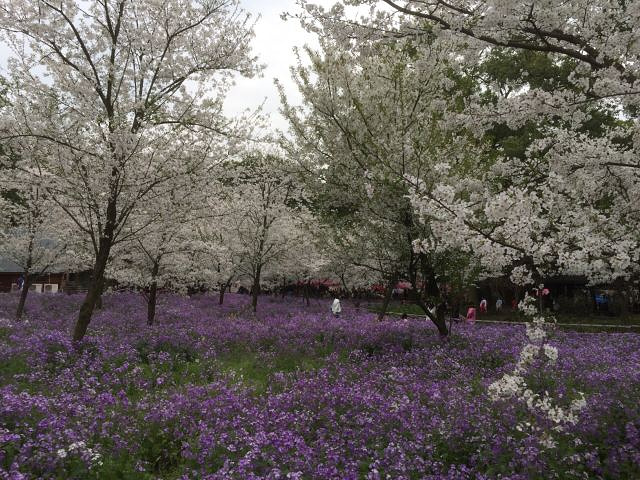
(514, 385)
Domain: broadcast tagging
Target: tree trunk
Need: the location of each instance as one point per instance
(224, 287)
(387, 298)
(221, 297)
(94, 291)
(455, 306)
(437, 319)
(153, 294)
(441, 313)
(414, 294)
(434, 291)
(623, 301)
(255, 290)
(344, 284)
(99, 303)
(23, 296)
(151, 303)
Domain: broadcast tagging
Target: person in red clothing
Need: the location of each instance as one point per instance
(483, 305)
(471, 315)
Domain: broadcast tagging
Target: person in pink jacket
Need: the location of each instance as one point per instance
(471, 315)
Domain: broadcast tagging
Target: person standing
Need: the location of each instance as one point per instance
(471, 315)
(499, 305)
(336, 308)
(483, 305)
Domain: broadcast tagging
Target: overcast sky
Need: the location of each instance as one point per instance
(274, 43)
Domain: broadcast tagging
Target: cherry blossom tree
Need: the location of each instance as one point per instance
(220, 257)
(568, 203)
(35, 233)
(162, 255)
(371, 119)
(305, 260)
(217, 253)
(117, 99)
(267, 216)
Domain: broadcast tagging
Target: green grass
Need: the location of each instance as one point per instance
(400, 308)
(10, 367)
(4, 333)
(256, 371)
(253, 369)
(633, 320)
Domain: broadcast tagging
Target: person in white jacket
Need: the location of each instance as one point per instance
(336, 308)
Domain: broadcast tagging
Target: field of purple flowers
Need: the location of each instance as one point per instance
(214, 392)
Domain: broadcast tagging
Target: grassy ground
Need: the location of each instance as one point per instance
(629, 322)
